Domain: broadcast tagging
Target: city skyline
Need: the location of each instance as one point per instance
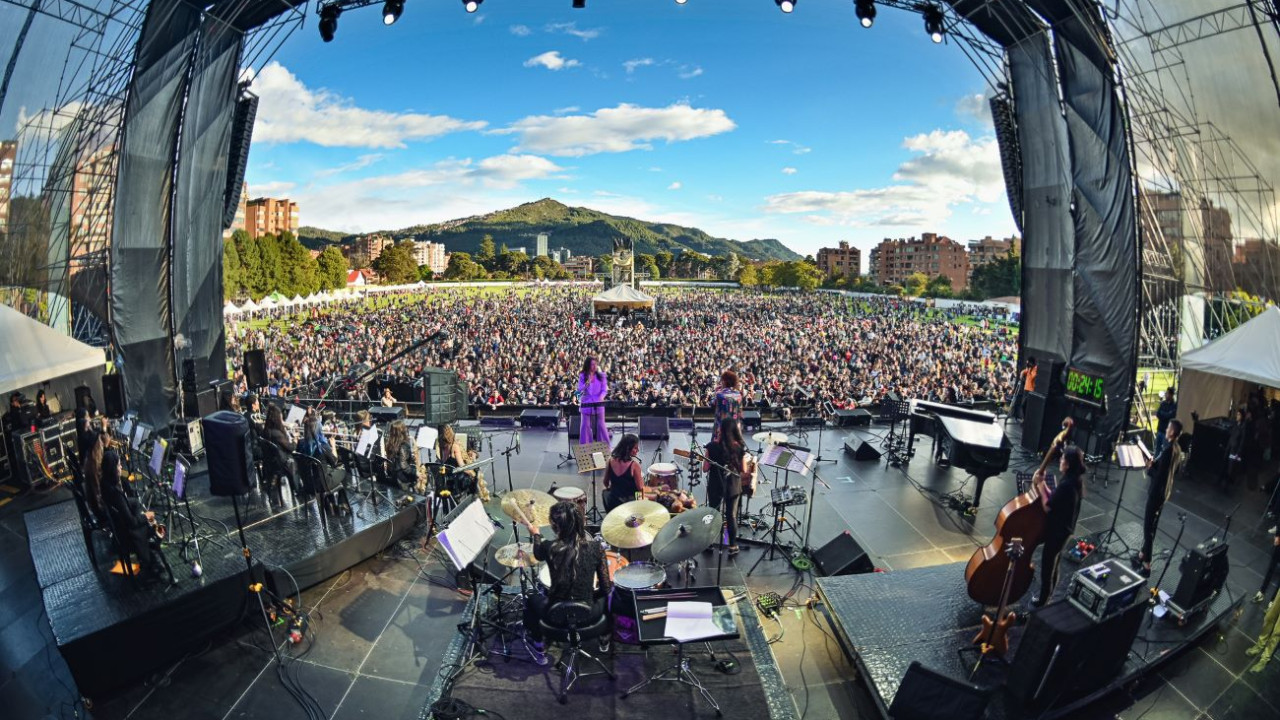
(738, 120)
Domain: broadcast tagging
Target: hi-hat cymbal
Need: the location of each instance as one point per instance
(688, 534)
(516, 555)
(531, 505)
(634, 524)
(769, 437)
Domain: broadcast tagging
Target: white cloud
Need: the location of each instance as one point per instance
(950, 168)
(359, 163)
(675, 185)
(520, 30)
(273, 188)
(478, 19)
(566, 110)
(551, 60)
(975, 108)
(572, 29)
(618, 129)
(689, 71)
(631, 65)
(46, 124)
(655, 169)
(789, 171)
(291, 112)
(796, 147)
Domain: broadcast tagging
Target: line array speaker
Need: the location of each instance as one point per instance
(238, 154)
(112, 395)
(255, 368)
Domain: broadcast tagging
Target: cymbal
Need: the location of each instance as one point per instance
(688, 534)
(531, 505)
(516, 555)
(634, 524)
(769, 437)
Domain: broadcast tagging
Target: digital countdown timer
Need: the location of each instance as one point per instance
(1085, 387)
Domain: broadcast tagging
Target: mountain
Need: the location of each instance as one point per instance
(582, 230)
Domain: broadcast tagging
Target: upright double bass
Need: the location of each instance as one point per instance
(1022, 517)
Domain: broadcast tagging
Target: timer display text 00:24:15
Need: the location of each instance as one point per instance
(1084, 387)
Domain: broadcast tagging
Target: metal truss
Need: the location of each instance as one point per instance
(1211, 24)
(86, 16)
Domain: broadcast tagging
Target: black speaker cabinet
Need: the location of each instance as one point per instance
(112, 396)
(189, 379)
(842, 556)
(1050, 377)
(255, 368)
(1042, 418)
(853, 418)
(1204, 571)
(750, 420)
(1064, 655)
(927, 695)
(386, 415)
(810, 422)
(654, 428)
(862, 450)
(575, 427)
(226, 440)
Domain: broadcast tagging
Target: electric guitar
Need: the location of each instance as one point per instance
(993, 638)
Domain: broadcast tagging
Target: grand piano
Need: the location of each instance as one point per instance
(965, 438)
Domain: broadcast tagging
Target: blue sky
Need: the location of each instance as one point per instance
(723, 114)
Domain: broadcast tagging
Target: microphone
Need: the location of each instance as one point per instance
(793, 446)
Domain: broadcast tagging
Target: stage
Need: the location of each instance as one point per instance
(113, 630)
(887, 620)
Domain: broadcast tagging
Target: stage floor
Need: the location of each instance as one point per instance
(384, 625)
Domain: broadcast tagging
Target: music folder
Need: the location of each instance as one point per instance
(468, 535)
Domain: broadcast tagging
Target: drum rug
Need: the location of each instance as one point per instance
(519, 688)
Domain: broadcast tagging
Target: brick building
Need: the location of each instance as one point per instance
(271, 216)
(842, 260)
(8, 156)
(893, 261)
(582, 266)
(432, 255)
(371, 246)
(988, 250)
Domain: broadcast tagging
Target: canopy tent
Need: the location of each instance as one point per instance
(297, 299)
(230, 308)
(33, 353)
(268, 304)
(622, 297)
(277, 296)
(1221, 372)
(249, 306)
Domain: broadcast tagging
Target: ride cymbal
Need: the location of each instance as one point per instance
(634, 524)
(687, 534)
(769, 438)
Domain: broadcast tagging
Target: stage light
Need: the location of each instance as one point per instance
(579, 4)
(471, 5)
(391, 11)
(866, 12)
(933, 23)
(786, 6)
(329, 21)
(681, 2)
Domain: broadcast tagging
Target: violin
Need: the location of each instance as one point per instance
(993, 572)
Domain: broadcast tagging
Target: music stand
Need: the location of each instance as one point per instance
(788, 458)
(586, 457)
(652, 627)
(894, 443)
(1128, 457)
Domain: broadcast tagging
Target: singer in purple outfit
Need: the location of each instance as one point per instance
(592, 387)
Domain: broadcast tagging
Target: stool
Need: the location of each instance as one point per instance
(571, 623)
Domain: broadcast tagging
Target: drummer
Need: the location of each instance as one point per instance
(623, 479)
(579, 571)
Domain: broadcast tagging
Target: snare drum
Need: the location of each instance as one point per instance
(573, 495)
(640, 575)
(664, 474)
(614, 560)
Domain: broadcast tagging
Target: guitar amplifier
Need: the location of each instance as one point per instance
(1104, 589)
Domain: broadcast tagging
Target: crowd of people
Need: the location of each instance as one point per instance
(525, 346)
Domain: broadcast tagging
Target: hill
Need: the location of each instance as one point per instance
(582, 230)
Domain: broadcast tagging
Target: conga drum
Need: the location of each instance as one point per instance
(574, 495)
(665, 474)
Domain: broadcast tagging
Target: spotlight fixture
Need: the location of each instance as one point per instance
(471, 5)
(681, 2)
(329, 21)
(579, 4)
(391, 11)
(933, 24)
(786, 6)
(866, 12)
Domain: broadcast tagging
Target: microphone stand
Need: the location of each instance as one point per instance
(514, 447)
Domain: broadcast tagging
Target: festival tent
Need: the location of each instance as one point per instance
(277, 296)
(296, 300)
(33, 353)
(230, 308)
(622, 297)
(249, 306)
(268, 304)
(1224, 370)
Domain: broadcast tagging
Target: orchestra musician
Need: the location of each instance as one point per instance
(622, 477)
(450, 452)
(1160, 472)
(724, 489)
(274, 429)
(592, 387)
(402, 463)
(314, 443)
(135, 528)
(1062, 508)
(91, 459)
(577, 563)
(726, 402)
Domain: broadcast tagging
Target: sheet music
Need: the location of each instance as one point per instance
(295, 415)
(788, 459)
(139, 434)
(427, 436)
(467, 536)
(1143, 447)
(126, 427)
(366, 442)
(461, 439)
(157, 456)
(688, 621)
(597, 458)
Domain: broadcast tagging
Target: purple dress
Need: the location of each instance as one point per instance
(593, 428)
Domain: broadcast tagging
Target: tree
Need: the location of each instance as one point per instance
(230, 269)
(462, 267)
(333, 268)
(299, 272)
(747, 275)
(915, 284)
(939, 286)
(604, 263)
(396, 264)
(486, 255)
(664, 259)
(513, 263)
(250, 277)
(998, 278)
(358, 260)
(727, 266)
(647, 263)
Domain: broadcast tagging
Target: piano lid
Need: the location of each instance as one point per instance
(945, 410)
(971, 432)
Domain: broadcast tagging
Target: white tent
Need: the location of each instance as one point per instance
(312, 299)
(1225, 369)
(268, 304)
(621, 296)
(249, 306)
(230, 308)
(296, 300)
(33, 353)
